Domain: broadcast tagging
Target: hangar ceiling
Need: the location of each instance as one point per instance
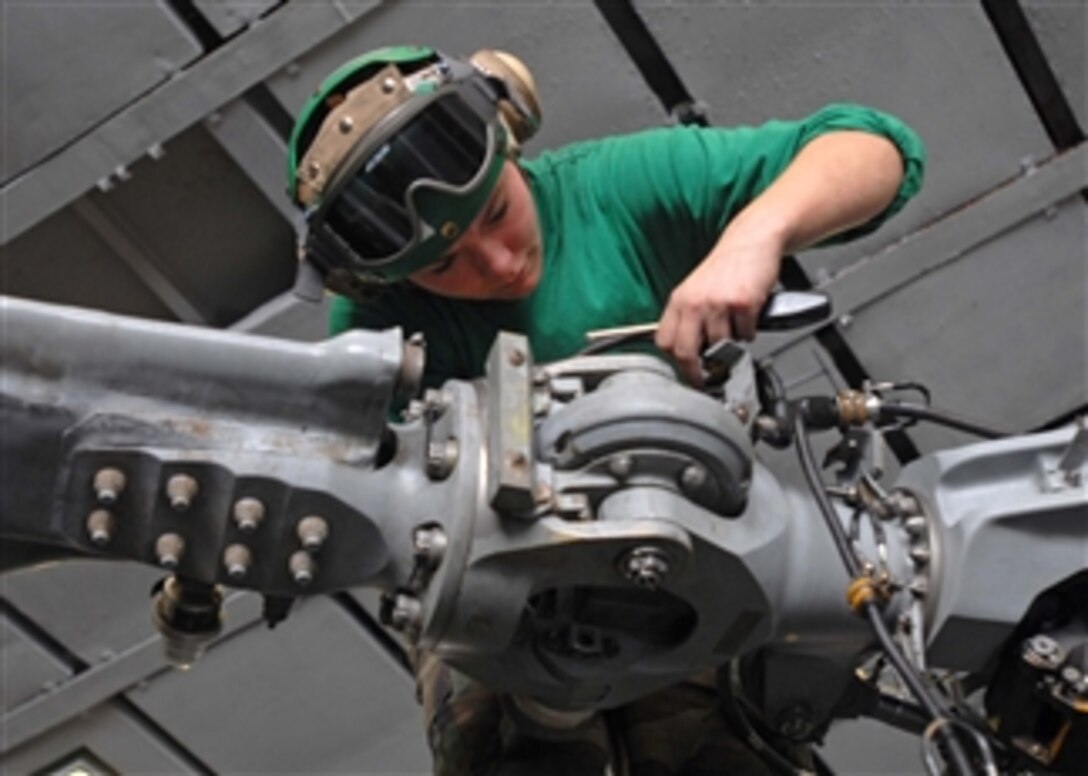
(142, 173)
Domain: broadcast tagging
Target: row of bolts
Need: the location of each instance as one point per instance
(181, 490)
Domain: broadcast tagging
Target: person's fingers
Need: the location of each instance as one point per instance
(688, 346)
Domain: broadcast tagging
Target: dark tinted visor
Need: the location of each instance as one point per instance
(446, 144)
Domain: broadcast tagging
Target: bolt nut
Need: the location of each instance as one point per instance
(237, 559)
(1042, 651)
(621, 465)
(407, 613)
(429, 544)
(100, 527)
(169, 548)
(108, 485)
(919, 555)
(647, 567)
(915, 525)
(248, 514)
(441, 458)
(302, 567)
(693, 477)
(181, 489)
(312, 532)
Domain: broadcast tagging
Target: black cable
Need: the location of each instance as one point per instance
(827, 511)
(870, 609)
(940, 417)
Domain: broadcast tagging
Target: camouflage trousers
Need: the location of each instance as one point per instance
(679, 731)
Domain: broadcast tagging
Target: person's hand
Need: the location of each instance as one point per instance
(721, 298)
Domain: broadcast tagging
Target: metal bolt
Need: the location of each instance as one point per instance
(181, 489)
(795, 723)
(646, 566)
(346, 124)
(389, 85)
(108, 485)
(100, 526)
(168, 549)
(313, 169)
(919, 586)
(429, 544)
(915, 525)
(693, 477)
(621, 465)
(920, 555)
(312, 532)
(248, 514)
(516, 356)
(1042, 651)
(436, 401)
(407, 612)
(441, 458)
(237, 559)
(741, 412)
(302, 567)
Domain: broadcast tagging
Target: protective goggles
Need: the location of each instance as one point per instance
(407, 190)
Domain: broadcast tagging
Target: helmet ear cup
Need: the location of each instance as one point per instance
(520, 113)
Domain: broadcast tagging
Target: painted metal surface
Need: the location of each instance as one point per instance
(230, 16)
(58, 83)
(1062, 28)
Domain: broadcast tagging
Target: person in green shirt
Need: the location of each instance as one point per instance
(420, 213)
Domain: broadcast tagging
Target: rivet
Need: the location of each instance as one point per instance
(312, 532)
(248, 514)
(313, 170)
(450, 230)
(168, 549)
(181, 489)
(100, 525)
(389, 85)
(301, 566)
(516, 356)
(237, 559)
(346, 124)
(108, 485)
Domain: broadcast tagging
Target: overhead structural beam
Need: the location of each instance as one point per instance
(947, 240)
(266, 47)
(103, 681)
(137, 257)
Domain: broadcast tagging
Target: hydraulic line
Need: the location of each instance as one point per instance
(869, 608)
(940, 417)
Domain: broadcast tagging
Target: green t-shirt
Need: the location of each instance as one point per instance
(624, 219)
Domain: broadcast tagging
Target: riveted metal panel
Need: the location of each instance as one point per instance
(1000, 335)
(28, 669)
(111, 736)
(229, 16)
(63, 260)
(315, 695)
(1061, 27)
(96, 610)
(588, 87)
(68, 66)
(754, 62)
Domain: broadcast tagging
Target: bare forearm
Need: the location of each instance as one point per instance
(838, 181)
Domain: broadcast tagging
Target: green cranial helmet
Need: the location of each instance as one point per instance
(395, 155)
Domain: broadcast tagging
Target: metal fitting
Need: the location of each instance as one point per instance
(853, 408)
(237, 559)
(647, 567)
(412, 361)
(109, 483)
(181, 489)
(169, 548)
(621, 465)
(248, 514)
(302, 567)
(100, 527)
(516, 357)
(796, 723)
(312, 532)
(1042, 651)
(429, 545)
(189, 615)
(693, 477)
(920, 555)
(441, 458)
(407, 613)
(436, 402)
(346, 124)
(915, 525)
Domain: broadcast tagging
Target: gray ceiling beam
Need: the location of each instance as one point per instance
(946, 240)
(137, 256)
(255, 147)
(98, 684)
(225, 74)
